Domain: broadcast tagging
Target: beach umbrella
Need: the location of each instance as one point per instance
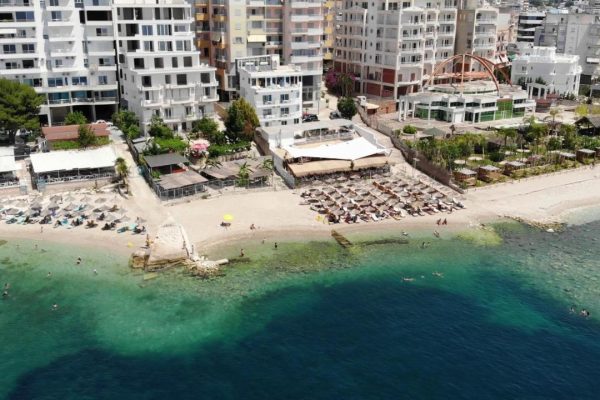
(228, 217)
(100, 200)
(53, 206)
(12, 211)
(329, 181)
(55, 198)
(342, 179)
(36, 206)
(69, 207)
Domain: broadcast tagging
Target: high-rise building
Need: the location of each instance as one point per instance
(527, 24)
(392, 47)
(230, 29)
(576, 34)
(476, 29)
(159, 67)
(331, 17)
(64, 50)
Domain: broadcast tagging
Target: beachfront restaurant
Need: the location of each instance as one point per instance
(170, 178)
(273, 137)
(305, 164)
(8, 168)
(72, 166)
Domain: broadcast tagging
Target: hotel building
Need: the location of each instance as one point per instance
(64, 50)
(392, 47)
(159, 67)
(230, 29)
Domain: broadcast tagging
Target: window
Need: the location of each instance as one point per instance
(163, 30)
(181, 79)
(158, 63)
(24, 16)
(58, 63)
(284, 98)
(180, 28)
(56, 15)
(35, 82)
(238, 40)
(55, 82)
(165, 46)
(101, 31)
(79, 80)
(168, 113)
(174, 62)
(179, 45)
(285, 111)
(167, 79)
(148, 46)
(267, 99)
(28, 64)
(9, 49)
(266, 113)
(53, 3)
(11, 65)
(103, 80)
(147, 30)
(187, 61)
(188, 111)
(146, 81)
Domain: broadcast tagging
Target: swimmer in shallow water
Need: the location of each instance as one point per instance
(49, 274)
(54, 307)
(95, 271)
(78, 260)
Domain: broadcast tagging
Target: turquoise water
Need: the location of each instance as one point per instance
(311, 321)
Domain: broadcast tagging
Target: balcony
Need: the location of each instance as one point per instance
(305, 31)
(305, 45)
(306, 4)
(16, 3)
(306, 17)
(94, 4)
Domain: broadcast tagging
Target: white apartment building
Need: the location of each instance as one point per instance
(64, 50)
(159, 66)
(577, 34)
(527, 24)
(477, 29)
(274, 90)
(392, 47)
(293, 29)
(561, 72)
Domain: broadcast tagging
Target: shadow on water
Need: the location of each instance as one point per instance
(373, 339)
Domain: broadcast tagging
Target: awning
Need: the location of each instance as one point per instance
(350, 150)
(8, 31)
(180, 180)
(7, 159)
(592, 60)
(103, 157)
(162, 160)
(257, 38)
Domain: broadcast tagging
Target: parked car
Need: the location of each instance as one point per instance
(309, 118)
(335, 115)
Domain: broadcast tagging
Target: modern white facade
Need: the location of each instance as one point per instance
(561, 72)
(293, 29)
(392, 47)
(64, 50)
(274, 90)
(159, 66)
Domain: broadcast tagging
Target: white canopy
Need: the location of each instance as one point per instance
(7, 159)
(350, 150)
(102, 157)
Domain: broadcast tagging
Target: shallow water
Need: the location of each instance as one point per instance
(311, 320)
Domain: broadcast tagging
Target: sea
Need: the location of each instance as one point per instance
(488, 313)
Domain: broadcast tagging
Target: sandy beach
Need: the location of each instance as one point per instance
(278, 215)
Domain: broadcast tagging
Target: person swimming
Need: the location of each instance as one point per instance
(54, 307)
(49, 274)
(95, 271)
(78, 260)
(585, 313)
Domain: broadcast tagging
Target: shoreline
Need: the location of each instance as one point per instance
(279, 216)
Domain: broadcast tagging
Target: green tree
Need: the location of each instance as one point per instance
(507, 133)
(346, 107)
(240, 121)
(205, 126)
(124, 119)
(122, 170)
(19, 107)
(346, 85)
(75, 118)
(159, 129)
(86, 136)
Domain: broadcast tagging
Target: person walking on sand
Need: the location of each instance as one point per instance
(445, 222)
(275, 245)
(241, 252)
(42, 229)
(438, 221)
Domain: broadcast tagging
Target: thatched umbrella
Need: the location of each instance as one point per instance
(69, 207)
(12, 211)
(329, 181)
(100, 200)
(36, 206)
(53, 206)
(342, 179)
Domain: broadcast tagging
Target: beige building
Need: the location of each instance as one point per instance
(231, 29)
(476, 29)
(392, 47)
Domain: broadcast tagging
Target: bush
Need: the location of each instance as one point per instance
(409, 130)
(75, 118)
(168, 145)
(224, 149)
(496, 156)
(64, 145)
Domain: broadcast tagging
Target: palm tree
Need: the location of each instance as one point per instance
(244, 174)
(122, 170)
(507, 133)
(554, 113)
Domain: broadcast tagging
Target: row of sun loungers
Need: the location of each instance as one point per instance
(381, 199)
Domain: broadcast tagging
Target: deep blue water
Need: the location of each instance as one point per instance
(490, 329)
